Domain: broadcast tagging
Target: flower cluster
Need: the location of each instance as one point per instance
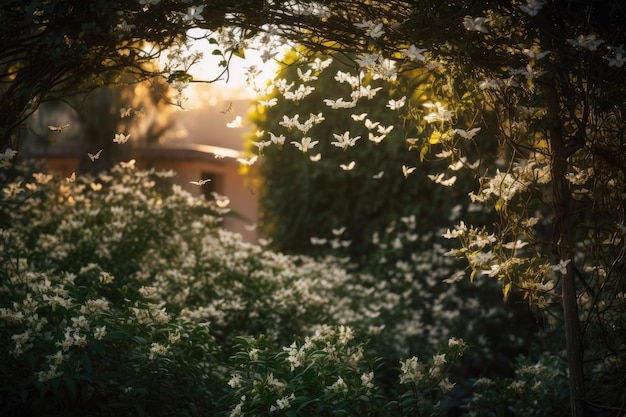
(328, 372)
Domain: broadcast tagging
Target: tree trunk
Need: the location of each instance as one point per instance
(563, 241)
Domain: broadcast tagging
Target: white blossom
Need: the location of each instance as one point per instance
(532, 7)
(414, 53)
(475, 24)
(589, 42)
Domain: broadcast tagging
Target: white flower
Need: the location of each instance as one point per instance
(307, 76)
(6, 156)
(319, 65)
(411, 371)
(481, 258)
(125, 27)
(374, 138)
(344, 141)
(147, 291)
(300, 93)
(193, 13)
(475, 24)
(452, 342)
(262, 144)
(254, 354)
(100, 332)
(369, 125)
(515, 245)
(278, 140)
(414, 53)
(121, 138)
(439, 360)
(396, 104)
(339, 104)
(248, 161)
(235, 381)
(236, 123)
(339, 386)
(305, 144)
(157, 349)
(346, 333)
(445, 385)
(268, 103)
(490, 84)
(368, 380)
(535, 53)
(589, 42)
(365, 91)
(289, 122)
(367, 60)
(283, 403)
(346, 77)
(406, 171)
(618, 59)
(562, 266)
(532, 7)
(384, 130)
(373, 30)
(348, 167)
(438, 112)
(296, 356)
(467, 134)
(439, 179)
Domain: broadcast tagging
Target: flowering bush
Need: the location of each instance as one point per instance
(121, 294)
(538, 389)
(328, 374)
(160, 243)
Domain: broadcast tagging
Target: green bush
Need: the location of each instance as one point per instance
(122, 295)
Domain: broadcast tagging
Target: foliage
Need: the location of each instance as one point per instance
(155, 238)
(387, 226)
(545, 82)
(51, 49)
(123, 295)
(328, 374)
(132, 225)
(544, 79)
(302, 196)
(537, 389)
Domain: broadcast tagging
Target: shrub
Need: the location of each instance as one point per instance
(122, 295)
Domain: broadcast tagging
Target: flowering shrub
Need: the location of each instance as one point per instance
(164, 245)
(121, 294)
(421, 300)
(384, 222)
(328, 374)
(538, 389)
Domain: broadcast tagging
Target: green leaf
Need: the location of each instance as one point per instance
(140, 340)
(98, 346)
(473, 274)
(70, 384)
(87, 364)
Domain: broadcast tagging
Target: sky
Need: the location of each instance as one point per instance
(235, 87)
